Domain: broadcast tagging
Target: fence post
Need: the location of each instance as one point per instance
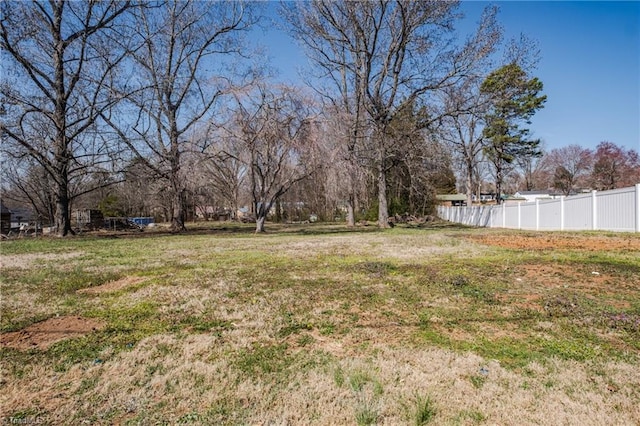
(562, 213)
(504, 215)
(519, 215)
(594, 210)
(637, 207)
(537, 214)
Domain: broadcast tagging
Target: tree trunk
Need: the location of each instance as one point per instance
(260, 224)
(261, 215)
(177, 213)
(234, 212)
(176, 181)
(351, 164)
(351, 202)
(279, 211)
(61, 146)
(383, 212)
(469, 184)
(351, 217)
(62, 213)
(498, 185)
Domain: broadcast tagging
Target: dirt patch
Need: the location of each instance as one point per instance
(369, 329)
(112, 286)
(559, 242)
(521, 301)
(536, 281)
(556, 276)
(44, 334)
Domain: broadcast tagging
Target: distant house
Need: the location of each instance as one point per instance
(485, 197)
(88, 219)
(452, 199)
(532, 196)
(214, 213)
(21, 218)
(514, 199)
(205, 212)
(244, 215)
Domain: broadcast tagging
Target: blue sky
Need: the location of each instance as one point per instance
(590, 66)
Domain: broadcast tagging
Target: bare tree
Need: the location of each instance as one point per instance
(274, 129)
(27, 184)
(387, 54)
(344, 146)
(343, 95)
(531, 170)
(225, 169)
(614, 166)
(569, 167)
(57, 62)
(184, 69)
(467, 106)
(462, 129)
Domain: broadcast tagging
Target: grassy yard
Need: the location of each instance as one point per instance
(316, 324)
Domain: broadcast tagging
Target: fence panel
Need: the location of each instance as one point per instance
(511, 218)
(528, 216)
(578, 212)
(615, 210)
(550, 215)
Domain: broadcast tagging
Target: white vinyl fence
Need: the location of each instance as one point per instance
(615, 210)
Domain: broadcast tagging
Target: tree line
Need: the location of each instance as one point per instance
(573, 168)
(166, 108)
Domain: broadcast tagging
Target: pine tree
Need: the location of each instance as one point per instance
(514, 100)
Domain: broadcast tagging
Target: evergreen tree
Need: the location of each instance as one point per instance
(514, 100)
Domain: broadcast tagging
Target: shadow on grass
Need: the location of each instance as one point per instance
(235, 228)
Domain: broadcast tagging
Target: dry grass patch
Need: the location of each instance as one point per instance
(112, 286)
(34, 260)
(168, 378)
(402, 247)
(336, 328)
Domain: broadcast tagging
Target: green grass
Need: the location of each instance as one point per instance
(263, 360)
(425, 410)
(366, 413)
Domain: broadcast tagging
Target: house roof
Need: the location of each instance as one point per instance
(451, 197)
(536, 192)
